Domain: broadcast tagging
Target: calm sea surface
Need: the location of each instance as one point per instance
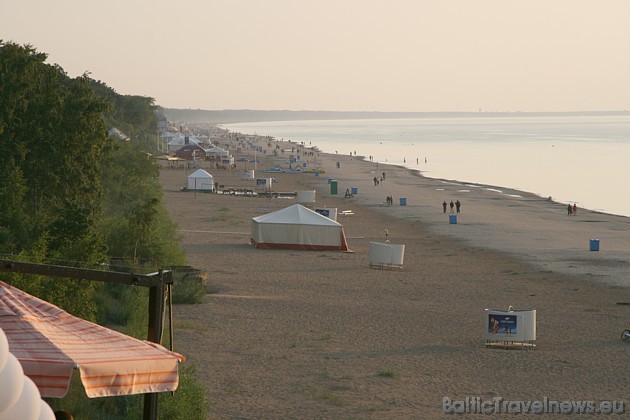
(583, 160)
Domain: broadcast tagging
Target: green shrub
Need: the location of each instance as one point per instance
(187, 289)
(189, 402)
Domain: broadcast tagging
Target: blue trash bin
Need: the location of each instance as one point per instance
(355, 191)
(452, 219)
(594, 244)
(403, 201)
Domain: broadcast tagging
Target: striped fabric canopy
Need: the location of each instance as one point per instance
(50, 342)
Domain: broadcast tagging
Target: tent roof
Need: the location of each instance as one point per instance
(296, 214)
(50, 343)
(200, 173)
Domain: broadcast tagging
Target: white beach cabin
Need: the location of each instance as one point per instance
(297, 227)
(200, 180)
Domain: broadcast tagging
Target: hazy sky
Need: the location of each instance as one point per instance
(346, 55)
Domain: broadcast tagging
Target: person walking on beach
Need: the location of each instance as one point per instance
(444, 206)
(574, 209)
(452, 205)
(569, 210)
(458, 205)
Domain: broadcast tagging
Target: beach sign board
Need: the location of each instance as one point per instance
(264, 182)
(330, 212)
(384, 255)
(305, 196)
(502, 324)
(511, 325)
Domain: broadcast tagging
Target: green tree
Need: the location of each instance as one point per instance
(135, 224)
(13, 227)
(134, 115)
(70, 193)
(53, 140)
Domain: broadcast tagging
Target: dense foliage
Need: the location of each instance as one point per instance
(68, 191)
(71, 194)
(53, 141)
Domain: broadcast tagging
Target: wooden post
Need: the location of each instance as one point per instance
(156, 322)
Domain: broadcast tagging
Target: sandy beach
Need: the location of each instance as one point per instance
(298, 334)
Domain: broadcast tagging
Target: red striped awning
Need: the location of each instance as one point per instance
(50, 342)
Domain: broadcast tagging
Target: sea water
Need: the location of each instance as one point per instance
(572, 159)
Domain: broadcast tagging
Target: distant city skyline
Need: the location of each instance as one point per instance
(348, 55)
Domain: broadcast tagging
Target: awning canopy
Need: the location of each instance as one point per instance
(49, 343)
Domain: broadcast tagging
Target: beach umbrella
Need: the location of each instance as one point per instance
(50, 343)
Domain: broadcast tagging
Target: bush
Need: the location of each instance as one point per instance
(187, 288)
(189, 402)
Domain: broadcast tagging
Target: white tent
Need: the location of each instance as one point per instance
(200, 180)
(297, 227)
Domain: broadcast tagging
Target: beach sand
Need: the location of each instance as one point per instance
(299, 334)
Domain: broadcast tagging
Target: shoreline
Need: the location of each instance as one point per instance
(566, 246)
(448, 160)
(514, 192)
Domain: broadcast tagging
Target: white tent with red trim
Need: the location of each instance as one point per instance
(297, 227)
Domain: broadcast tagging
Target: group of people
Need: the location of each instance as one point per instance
(571, 209)
(389, 200)
(456, 206)
(377, 180)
